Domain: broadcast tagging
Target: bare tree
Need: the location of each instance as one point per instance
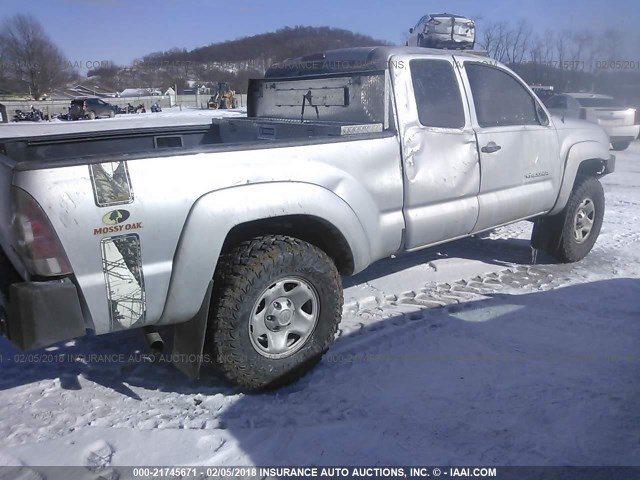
(517, 42)
(32, 60)
(611, 41)
(494, 40)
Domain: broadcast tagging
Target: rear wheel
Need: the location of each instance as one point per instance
(112, 114)
(620, 146)
(275, 311)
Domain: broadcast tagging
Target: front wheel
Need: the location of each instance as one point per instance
(275, 311)
(582, 221)
(620, 146)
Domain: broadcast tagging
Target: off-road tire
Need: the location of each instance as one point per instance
(570, 250)
(620, 146)
(241, 277)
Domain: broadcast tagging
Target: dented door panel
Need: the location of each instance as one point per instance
(441, 168)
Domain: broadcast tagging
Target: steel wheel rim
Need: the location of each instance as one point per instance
(284, 317)
(583, 220)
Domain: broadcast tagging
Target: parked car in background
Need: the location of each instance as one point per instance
(91, 108)
(621, 123)
(443, 30)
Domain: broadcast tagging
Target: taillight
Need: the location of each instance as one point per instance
(636, 120)
(583, 113)
(470, 25)
(39, 246)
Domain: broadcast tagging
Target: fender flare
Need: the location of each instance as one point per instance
(578, 154)
(214, 215)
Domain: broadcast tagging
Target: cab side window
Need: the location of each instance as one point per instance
(437, 94)
(500, 100)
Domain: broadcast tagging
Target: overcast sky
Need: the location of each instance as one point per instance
(123, 30)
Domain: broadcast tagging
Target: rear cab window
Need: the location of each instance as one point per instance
(437, 94)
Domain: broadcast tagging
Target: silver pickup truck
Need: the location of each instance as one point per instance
(237, 232)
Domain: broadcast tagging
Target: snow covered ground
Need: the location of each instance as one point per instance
(464, 353)
(168, 117)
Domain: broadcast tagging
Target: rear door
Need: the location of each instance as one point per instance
(440, 160)
(518, 146)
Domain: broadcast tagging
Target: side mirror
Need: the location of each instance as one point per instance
(411, 30)
(542, 116)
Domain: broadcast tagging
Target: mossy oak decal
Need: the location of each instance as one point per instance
(115, 217)
(111, 183)
(122, 266)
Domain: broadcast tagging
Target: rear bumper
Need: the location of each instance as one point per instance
(622, 133)
(76, 113)
(618, 138)
(38, 314)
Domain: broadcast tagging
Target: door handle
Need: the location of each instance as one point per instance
(490, 147)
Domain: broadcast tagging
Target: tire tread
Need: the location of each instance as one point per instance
(236, 275)
(569, 250)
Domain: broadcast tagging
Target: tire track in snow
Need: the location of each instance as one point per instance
(416, 303)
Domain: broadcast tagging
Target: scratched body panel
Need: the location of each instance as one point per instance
(363, 174)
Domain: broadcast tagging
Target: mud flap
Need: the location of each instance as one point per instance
(188, 340)
(40, 314)
(547, 233)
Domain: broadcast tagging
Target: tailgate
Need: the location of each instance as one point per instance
(454, 26)
(6, 177)
(11, 268)
(463, 27)
(7, 252)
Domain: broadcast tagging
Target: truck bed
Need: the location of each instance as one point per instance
(70, 148)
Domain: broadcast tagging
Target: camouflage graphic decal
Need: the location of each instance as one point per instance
(122, 265)
(111, 183)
